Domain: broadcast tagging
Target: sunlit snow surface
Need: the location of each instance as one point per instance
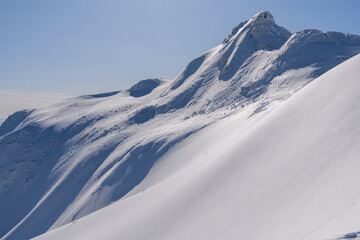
(214, 154)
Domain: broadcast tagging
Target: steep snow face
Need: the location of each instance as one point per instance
(63, 162)
(291, 175)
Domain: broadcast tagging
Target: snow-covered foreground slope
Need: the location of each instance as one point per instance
(292, 175)
(63, 162)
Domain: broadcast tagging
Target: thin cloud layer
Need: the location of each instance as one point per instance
(12, 101)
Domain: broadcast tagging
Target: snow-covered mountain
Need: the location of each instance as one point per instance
(289, 174)
(204, 156)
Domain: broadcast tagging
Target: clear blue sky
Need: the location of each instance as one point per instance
(74, 47)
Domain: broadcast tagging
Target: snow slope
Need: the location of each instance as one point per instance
(291, 175)
(63, 162)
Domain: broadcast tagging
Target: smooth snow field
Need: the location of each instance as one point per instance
(258, 138)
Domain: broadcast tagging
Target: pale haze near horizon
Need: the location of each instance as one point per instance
(54, 50)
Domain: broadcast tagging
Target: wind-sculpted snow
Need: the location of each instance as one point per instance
(102, 95)
(144, 87)
(63, 162)
(190, 69)
(353, 235)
